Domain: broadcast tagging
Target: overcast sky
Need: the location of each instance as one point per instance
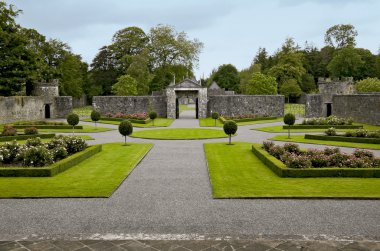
(231, 30)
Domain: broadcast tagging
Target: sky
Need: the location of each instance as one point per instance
(231, 30)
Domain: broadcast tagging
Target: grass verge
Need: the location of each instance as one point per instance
(86, 129)
(235, 172)
(84, 111)
(180, 133)
(209, 122)
(279, 129)
(98, 176)
(301, 139)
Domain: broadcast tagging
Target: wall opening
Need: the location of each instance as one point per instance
(47, 111)
(328, 109)
(186, 104)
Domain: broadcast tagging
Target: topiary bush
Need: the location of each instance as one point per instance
(153, 116)
(289, 119)
(36, 156)
(330, 132)
(9, 130)
(30, 130)
(230, 127)
(74, 144)
(9, 151)
(72, 119)
(34, 142)
(215, 116)
(125, 129)
(95, 116)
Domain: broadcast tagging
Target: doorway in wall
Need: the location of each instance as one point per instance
(47, 111)
(328, 109)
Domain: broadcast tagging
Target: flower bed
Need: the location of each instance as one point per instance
(245, 118)
(39, 122)
(300, 126)
(48, 126)
(134, 116)
(343, 138)
(24, 137)
(331, 120)
(290, 161)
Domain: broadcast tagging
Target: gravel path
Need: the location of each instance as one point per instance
(169, 196)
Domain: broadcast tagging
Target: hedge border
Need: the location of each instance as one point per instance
(223, 120)
(47, 126)
(24, 137)
(299, 126)
(135, 121)
(281, 170)
(344, 139)
(53, 169)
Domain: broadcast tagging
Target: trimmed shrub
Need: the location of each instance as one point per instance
(9, 130)
(215, 116)
(359, 153)
(153, 116)
(36, 156)
(289, 119)
(9, 151)
(125, 129)
(331, 120)
(276, 151)
(59, 153)
(74, 144)
(72, 119)
(331, 151)
(292, 148)
(330, 132)
(34, 142)
(361, 133)
(230, 128)
(31, 130)
(295, 161)
(95, 116)
(267, 145)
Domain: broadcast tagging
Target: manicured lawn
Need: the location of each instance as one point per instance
(301, 139)
(209, 122)
(278, 128)
(86, 128)
(185, 108)
(296, 109)
(158, 122)
(97, 176)
(235, 172)
(180, 133)
(84, 111)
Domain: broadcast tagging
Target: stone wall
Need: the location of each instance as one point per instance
(130, 104)
(314, 106)
(47, 91)
(363, 108)
(79, 102)
(270, 105)
(21, 108)
(63, 105)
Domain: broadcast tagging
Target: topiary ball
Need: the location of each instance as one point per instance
(95, 115)
(125, 128)
(215, 115)
(289, 119)
(72, 119)
(153, 115)
(230, 127)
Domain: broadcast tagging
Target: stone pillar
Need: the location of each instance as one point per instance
(170, 99)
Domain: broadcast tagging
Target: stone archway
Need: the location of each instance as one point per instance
(188, 88)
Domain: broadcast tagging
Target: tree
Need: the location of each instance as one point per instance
(308, 84)
(139, 70)
(227, 76)
(230, 127)
(246, 76)
(215, 116)
(73, 120)
(95, 116)
(261, 84)
(73, 73)
(262, 59)
(125, 129)
(290, 88)
(289, 119)
(341, 35)
(368, 85)
(125, 86)
(153, 116)
(345, 63)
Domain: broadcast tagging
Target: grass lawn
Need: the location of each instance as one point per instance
(278, 128)
(158, 122)
(185, 108)
(98, 176)
(86, 129)
(296, 109)
(84, 111)
(301, 139)
(209, 122)
(180, 133)
(235, 172)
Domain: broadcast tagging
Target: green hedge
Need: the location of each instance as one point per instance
(281, 170)
(24, 137)
(344, 139)
(223, 120)
(48, 126)
(322, 126)
(135, 121)
(53, 169)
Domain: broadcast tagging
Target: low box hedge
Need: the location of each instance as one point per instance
(136, 121)
(24, 137)
(48, 126)
(344, 139)
(223, 120)
(299, 126)
(281, 170)
(53, 169)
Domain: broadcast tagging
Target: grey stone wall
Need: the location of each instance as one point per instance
(314, 106)
(130, 104)
(363, 108)
(62, 106)
(21, 108)
(47, 91)
(225, 105)
(79, 102)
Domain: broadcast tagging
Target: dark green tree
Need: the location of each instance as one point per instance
(261, 84)
(230, 127)
(73, 120)
(289, 120)
(215, 116)
(153, 116)
(125, 129)
(290, 89)
(345, 63)
(341, 35)
(227, 76)
(368, 85)
(95, 116)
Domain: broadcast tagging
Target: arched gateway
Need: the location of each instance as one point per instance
(190, 89)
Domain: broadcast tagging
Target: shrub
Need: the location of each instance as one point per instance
(9, 151)
(34, 142)
(289, 119)
(153, 116)
(330, 132)
(296, 161)
(292, 148)
(73, 120)
(57, 141)
(359, 153)
(125, 129)
(276, 151)
(230, 127)
(36, 156)
(350, 134)
(30, 130)
(337, 159)
(320, 160)
(331, 151)
(331, 120)
(215, 116)
(361, 133)
(9, 130)
(374, 134)
(59, 153)
(267, 145)
(95, 116)
(74, 144)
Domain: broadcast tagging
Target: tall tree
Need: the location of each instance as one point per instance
(261, 84)
(125, 86)
(290, 89)
(246, 76)
(341, 35)
(345, 63)
(73, 76)
(139, 70)
(227, 76)
(262, 59)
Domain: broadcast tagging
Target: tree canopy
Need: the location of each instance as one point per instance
(261, 84)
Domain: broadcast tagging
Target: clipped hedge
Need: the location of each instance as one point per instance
(135, 121)
(281, 170)
(344, 139)
(223, 120)
(24, 137)
(48, 126)
(299, 126)
(53, 169)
